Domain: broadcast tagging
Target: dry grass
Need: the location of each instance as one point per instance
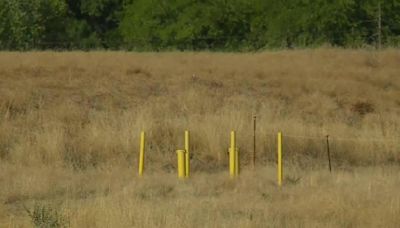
(69, 127)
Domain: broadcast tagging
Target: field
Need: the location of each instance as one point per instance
(70, 125)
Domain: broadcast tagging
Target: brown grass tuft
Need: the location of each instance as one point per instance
(362, 108)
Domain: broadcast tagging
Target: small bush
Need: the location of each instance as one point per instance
(45, 216)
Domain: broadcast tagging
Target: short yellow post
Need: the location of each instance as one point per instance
(237, 164)
(232, 153)
(181, 163)
(280, 167)
(141, 153)
(187, 154)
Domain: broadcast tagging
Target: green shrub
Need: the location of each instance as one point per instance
(46, 216)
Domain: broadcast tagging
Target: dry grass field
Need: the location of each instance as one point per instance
(70, 124)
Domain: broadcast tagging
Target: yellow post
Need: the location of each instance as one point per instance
(232, 153)
(141, 154)
(187, 154)
(181, 163)
(280, 167)
(237, 164)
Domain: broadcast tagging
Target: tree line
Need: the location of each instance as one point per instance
(227, 25)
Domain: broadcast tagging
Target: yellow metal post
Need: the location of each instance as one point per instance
(232, 153)
(237, 160)
(187, 154)
(181, 163)
(280, 167)
(141, 153)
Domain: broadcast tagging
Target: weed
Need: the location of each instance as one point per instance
(46, 216)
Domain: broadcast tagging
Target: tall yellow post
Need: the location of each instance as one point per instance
(141, 153)
(187, 154)
(280, 167)
(237, 164)
(181, 163)
(232, 153)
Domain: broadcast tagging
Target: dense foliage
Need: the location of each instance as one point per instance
(236, 25)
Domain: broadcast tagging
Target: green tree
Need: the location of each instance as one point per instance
(94, 23)
(189, 24)
(30, 23)
(227, 25)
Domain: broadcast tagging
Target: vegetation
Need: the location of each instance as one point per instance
(234, 25)
(45, 216)
(70, 124)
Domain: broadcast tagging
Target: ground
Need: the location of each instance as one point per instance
(70, 125)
